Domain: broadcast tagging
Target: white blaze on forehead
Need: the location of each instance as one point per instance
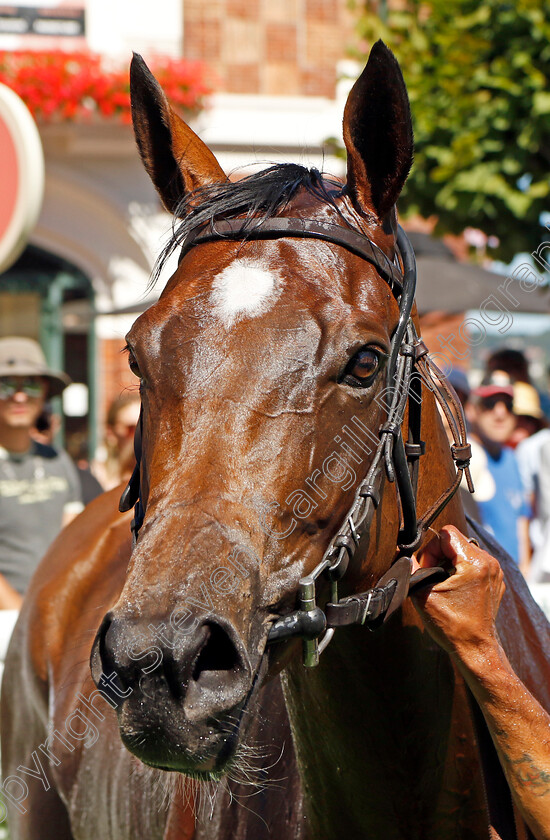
(244, 289)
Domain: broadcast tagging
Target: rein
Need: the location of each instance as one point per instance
(396, 459)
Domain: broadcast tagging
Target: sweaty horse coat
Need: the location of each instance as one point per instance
(256, 362)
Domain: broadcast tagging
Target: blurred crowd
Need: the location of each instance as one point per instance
(41, 487)
(508, 426)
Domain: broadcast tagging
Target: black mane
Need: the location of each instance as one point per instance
(257, 197)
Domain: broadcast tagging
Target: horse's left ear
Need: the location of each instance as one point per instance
(176, 160)
(378, 134)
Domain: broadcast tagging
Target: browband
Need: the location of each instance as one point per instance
(242, 229)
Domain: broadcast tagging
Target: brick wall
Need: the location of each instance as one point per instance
(114, 375)
(435, 324)
(270, 47)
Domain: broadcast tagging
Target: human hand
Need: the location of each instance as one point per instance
(460, 612)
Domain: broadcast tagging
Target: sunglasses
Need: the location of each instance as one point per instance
(488, 403)
(32, 386)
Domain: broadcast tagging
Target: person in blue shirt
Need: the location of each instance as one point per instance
(505, 511)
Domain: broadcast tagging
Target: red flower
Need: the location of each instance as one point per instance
(62, 86)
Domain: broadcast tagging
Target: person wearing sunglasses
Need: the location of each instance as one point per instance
(39, 486)
(504, 511)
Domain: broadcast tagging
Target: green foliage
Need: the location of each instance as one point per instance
(478, 79)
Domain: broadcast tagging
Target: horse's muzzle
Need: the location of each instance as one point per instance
(178, 696)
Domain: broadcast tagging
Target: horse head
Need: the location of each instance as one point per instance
(262, 370)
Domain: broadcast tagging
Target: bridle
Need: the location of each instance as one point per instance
(409, 368)
(397, 458)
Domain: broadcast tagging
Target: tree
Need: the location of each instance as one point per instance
(478, 78)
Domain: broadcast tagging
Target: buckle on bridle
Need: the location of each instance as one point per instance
(309, 621)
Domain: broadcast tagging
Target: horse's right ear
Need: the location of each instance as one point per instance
(176, 160)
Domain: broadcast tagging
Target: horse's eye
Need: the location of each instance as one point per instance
(134, 367)
(363, 367)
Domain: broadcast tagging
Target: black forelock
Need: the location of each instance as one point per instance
(257, 197)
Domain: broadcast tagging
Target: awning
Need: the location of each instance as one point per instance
(447, 285)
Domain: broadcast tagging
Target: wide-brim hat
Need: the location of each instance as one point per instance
(24, 357)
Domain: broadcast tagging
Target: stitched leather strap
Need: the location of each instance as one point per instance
(375, 606)
(280, 226)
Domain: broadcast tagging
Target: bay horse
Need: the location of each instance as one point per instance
(279, 415)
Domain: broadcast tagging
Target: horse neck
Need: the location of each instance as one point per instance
(371, 718)
(383, 737)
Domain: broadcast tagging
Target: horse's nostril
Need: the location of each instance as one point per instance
(206, 671)
(104, 651)
(105, 661)
(100, 659)
(218, 653)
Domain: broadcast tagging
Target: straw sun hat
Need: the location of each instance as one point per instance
(527, 401)
(24, 357)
